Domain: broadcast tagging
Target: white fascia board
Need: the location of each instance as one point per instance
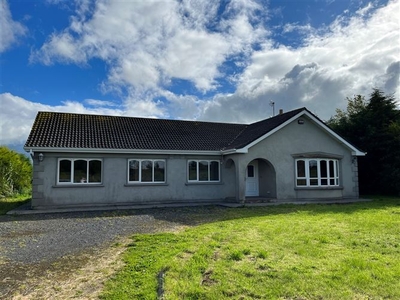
(354, 150)
(120, 151)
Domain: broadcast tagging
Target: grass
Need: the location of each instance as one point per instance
(284, 252)
(9, 203)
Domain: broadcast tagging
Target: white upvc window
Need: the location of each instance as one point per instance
(203, 171)
(317, 172)
(79, 170)
(146, 171)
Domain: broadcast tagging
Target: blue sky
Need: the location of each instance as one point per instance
(206, 60)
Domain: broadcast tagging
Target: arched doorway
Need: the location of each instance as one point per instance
(260, 179)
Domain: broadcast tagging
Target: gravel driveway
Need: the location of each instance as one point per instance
(29, 244)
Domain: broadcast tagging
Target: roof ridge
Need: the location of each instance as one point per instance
(140, 118)
(280, 115)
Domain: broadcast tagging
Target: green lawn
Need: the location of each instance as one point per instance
(285, 252)
(9, 203)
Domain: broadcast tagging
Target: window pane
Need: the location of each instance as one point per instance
(331, 181)
(64, 174)
(313, 169)
(337, 169)
(80, 171)
(301, 168)
(324, 181)
(95, 171)
(331, 169)
(313, 181)
(323, 168)
(301, 182)
(214, 171)
(250, 171)
(203, 171)
(159, 171)
(133, 170)
(147, 171)
(192, 170)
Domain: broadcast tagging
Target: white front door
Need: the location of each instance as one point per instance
(252, 179)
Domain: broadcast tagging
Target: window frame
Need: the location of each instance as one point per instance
(72, 171)
(139, 181)
(209, 173)
(318, 178)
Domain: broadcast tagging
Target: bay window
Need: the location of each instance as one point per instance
(317, 172)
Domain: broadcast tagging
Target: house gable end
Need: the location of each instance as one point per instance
(315, 120)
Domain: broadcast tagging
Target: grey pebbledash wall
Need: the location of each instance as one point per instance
(115, 189)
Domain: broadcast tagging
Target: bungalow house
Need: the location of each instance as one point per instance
(91, 160)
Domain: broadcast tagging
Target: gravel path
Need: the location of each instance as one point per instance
(37, 241)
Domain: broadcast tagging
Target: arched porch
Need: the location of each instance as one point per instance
(260, 177)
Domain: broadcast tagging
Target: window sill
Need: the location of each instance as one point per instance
(204, 183)
(77, 185)
(318, 188)
(145, 184)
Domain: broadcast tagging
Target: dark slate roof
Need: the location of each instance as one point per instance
(80, 131)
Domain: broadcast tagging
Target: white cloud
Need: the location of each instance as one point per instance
(10, 30)
(149, 43)
(291, 27)
(365, 10)
(14, 108)
(352, 56)
(186, 49)
(62, 47)
(182, 106)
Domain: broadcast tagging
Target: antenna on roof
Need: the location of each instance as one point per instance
(272, 103)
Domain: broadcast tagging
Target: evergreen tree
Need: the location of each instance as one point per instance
(373, 126)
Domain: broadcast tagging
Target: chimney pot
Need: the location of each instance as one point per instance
(280, 111)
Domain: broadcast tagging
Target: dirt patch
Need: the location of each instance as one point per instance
(207, 278)
(79, 277)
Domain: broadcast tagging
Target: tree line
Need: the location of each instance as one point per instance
(373, 126)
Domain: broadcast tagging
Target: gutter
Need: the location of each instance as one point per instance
(119, 151)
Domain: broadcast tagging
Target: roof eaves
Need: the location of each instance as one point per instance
(121, 151)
